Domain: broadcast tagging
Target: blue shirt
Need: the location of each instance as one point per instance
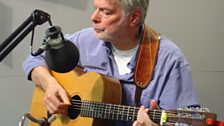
(171, 85)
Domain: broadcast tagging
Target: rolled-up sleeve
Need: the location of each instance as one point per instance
(32, 62)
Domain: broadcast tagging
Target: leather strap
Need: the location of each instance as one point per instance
(147, 57)
(146, 60)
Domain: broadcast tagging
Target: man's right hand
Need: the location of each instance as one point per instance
(56, 98)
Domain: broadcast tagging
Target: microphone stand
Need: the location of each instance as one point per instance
(61, 55)
(38, 17)
(42, 121)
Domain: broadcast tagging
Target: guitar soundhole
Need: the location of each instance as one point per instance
(74, 108)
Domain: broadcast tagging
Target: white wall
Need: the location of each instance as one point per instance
(195, 26)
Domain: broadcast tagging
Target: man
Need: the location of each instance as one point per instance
(111, 47)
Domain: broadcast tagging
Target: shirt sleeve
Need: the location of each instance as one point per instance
(32, 62)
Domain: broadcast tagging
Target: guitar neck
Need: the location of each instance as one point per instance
(108, 111)
(116, 112)
(128, 113)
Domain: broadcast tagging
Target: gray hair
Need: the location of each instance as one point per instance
(130, 5)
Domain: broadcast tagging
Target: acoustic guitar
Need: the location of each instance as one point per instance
(95, 101)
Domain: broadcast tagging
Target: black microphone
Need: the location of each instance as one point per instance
(61, 55)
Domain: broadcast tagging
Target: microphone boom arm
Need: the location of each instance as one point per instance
(37, 17)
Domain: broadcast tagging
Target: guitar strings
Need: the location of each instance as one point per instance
(151, 114)
(99, 108)
(78, 102)
(108, 110)
(156, 117)
(155, 114)
(87, 103)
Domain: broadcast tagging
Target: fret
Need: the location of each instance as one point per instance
(99, 110)
(157, 120)
(83, 108)
(127, 118)
(105, 112)
(95, 110)
(112, 112)
(133, 114)
(87, 108)
(122, 112)
(118, 112)
(109, 112)
(91, 110)
(153, 117)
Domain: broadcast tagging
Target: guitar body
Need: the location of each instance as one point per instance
(90, 86)
(95, 101)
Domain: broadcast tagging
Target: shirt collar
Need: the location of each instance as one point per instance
(108, 48)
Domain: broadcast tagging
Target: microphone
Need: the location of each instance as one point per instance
(61, 55)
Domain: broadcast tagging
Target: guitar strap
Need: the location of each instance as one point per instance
(146, 60)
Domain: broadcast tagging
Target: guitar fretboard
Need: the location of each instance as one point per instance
(114, 112)
(128, 113)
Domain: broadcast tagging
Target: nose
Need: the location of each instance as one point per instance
(95, 16)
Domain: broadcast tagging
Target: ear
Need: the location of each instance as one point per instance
(135, 17)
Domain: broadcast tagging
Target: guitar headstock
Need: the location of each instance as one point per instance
(192, 116)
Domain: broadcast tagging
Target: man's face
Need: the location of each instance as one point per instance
(109, 20)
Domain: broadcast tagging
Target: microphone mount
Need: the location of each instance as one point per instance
(37, 17)
(61, 54)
